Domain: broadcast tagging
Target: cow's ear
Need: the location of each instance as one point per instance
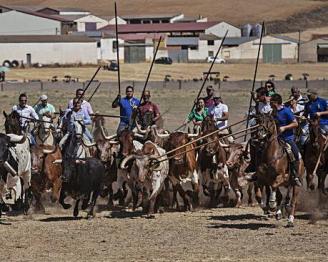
(5, 114)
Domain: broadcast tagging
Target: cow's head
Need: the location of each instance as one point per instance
(12, 123)
(4, 147)
(126, 142)
(107, 150)
(236, 156)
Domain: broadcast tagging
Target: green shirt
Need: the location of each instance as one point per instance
(40, 109)
(194, 115)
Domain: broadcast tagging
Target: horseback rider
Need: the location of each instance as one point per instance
(85, 105)
(286, 123)
(76, 114)
(209, 99)
(44, 108)
(26, 112)
(148, 111)
(317, 107)
(198, 114)
(128, 106)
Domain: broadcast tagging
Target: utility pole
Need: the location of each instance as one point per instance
(299, 47)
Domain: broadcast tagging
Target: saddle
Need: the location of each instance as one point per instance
(288, 149)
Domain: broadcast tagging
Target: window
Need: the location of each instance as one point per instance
(210, 53)
(226, 54)
(194, 47)
(98, 44)
(114, 46)
(210, 42)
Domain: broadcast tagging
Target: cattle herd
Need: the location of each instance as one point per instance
(151, 169)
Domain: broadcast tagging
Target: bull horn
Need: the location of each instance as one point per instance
(16, 138)
(140, 130)
(159, 135)
(104, 135)
(51, 151)
(138, 135)
(125, 161)
(223, 145)
(57, 161)
(194, 135)
(114, 142)
(85, 143)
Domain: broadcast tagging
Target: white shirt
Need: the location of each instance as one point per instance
(299, 106)
(217, 113)
(86, 106)
(26, 111)
(264, 108)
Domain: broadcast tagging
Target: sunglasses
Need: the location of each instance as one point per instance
(23, 100)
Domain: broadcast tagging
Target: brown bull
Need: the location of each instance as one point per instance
(45, 174)
(212, 166)
(312, 149)
(183, 167)
(237, 164)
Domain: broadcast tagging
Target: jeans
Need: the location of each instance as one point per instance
(121, 127)
(324, 129)
(294, 147)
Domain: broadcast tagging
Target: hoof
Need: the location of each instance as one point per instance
(150, 216)
(290, 224)
(278, 215)
(76, 213)
(66, 206)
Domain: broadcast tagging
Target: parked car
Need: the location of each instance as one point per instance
(111, 66)
(164, 60)
(218, 60)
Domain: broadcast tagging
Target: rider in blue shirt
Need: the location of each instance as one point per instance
(127, 105)
(286, 124)
(317, 107)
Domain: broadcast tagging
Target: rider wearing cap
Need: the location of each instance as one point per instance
(286, 124)
(44, 108)
(317, 107)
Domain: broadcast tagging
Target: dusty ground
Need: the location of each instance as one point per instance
(176, 71)
(224, 234)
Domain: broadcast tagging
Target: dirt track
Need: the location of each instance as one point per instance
(205, 235)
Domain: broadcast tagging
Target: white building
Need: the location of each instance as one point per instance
(275, 49)
(221, 28)
(61, 49)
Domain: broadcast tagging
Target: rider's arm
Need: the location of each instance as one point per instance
(34, 114)
(87, 119)
(292, 125)
(116, 102)
(157, 113)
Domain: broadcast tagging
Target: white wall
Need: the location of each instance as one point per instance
(90, 19)
(120, 21)
(106, 50)
(221, 28)
(203, 48)
(50, 53)
(16, 23)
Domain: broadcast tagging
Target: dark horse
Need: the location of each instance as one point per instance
(314, 145)
(274, 168)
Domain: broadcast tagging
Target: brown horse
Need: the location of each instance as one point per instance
(314, 145)
(274, 168)
(12, 123)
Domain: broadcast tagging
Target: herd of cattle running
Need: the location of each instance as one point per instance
(152, 168)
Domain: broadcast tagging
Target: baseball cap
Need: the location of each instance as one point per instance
(311, 92)
(43, 97)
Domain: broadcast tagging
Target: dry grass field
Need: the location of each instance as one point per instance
(138, 72)
(233, 11)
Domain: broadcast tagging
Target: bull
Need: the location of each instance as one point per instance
(149, 175)
(15, 163)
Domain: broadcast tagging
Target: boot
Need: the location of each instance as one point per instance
(294, 170)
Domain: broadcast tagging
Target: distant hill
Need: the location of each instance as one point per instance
(297, 13)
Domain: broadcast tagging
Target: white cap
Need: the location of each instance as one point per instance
(43, 97)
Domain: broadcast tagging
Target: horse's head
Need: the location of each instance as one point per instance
(314, 130)
(267, 127)
(12, 123)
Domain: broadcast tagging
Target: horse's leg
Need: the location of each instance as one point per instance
(279, 206)
(76, 208)
(238, 196)
(56, 186)
(258, 195)
(295, 192)
(273, 199)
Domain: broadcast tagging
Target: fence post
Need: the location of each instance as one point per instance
(1, 86)
(41, 85)
(180, 83)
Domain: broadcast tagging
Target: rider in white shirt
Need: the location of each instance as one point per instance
(220, 113)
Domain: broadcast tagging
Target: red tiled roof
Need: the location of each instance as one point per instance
(160, 28)
(135, 37)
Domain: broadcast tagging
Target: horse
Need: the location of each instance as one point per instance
(312, 148)
(274, 168)
(43, 133)
(12, 123)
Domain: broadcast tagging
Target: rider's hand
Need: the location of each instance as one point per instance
(318, 114)
(282, 129)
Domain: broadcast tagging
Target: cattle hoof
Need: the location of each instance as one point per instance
(150, 216)
(90, 216)
(76, 213)
(66, 206)
(312, 187)
(278, 215)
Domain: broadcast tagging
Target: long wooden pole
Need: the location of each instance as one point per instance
(181, 153)
(89, 99)
(254, 79)
(117, 53)
(88, 85)
(206, 76)
(146, 82)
